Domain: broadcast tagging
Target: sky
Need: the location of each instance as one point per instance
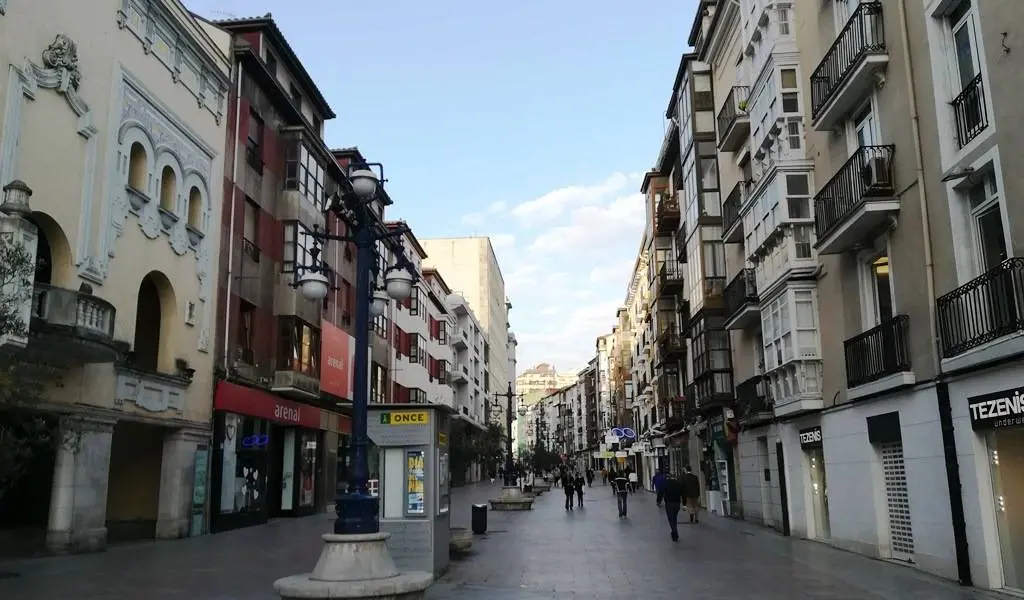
(531, 122)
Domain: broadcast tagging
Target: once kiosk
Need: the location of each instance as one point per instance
(414, 482)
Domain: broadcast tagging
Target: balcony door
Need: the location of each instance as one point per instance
(876, 287)
(865, 128)
(965, 46)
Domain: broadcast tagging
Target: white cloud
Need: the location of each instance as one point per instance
(567, 267)
(477, 219)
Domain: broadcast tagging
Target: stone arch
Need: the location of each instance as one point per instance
(138, 154)
(53, 249)
(198, 201)
(155, 324)
(167, 163)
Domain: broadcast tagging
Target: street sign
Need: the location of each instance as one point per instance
(405, 418)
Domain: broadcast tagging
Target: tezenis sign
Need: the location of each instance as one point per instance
(998, 409)
(810, 437)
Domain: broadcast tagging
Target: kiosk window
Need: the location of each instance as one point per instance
(415, 503)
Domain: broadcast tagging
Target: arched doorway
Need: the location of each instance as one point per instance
(148, 319)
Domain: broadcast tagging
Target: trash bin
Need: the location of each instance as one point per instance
(479, 519)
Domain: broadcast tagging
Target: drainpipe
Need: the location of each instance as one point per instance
(231, 229)
(956, 501)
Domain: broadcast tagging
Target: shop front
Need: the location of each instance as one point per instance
(267, 457)
(816, 496)
(717, 464)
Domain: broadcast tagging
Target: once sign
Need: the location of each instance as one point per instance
(996, 410)
(405, 418)
(810, 437)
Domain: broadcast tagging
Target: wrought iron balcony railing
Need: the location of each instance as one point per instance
(740, 292)
(970, 111)
(878, 352)
(753, 397)
(735, 107)
(863, 34)
(868, 173)
(982, 310)
(733, 204)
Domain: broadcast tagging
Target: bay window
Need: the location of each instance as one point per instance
(305, 173)
(297, 245)
(298, 347)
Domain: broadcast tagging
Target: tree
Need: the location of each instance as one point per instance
(467, 446)
(22, 383)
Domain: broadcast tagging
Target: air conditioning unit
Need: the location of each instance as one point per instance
(876, 173)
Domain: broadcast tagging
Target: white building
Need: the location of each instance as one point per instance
(471, 268)
(469, 374)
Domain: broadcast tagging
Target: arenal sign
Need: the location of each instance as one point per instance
(810, 437)
(998, 409)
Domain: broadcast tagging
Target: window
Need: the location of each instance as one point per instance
(417, 396)
(296, 95)
(298, 347)
(798, 196)
(783, 15)
(789, 327)
(250, 230)
(442, 331)
(794, 133)
(271, 63)
(987, 222)
(378, 383)
(381, 325)
(346, 301)
(304, 172)
(965, 47)
(803, 240)
(318, 125)
(138, 168)
(878, 295)
(246, 337)
(195, 209)
(414, 301)
(790, 91)
(168, 189)
(297, 246)
(968, 105)
(254, 142)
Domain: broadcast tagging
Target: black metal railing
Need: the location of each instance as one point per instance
(982, 310)
(878, 352)
(732, 206)
(753, 397)
(670, 274)
(735, 107)
(863, 34)
(970, 111)
(740, 292)
(666, 214)
(249, 249)
(867, 174)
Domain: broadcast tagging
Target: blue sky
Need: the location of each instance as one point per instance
(528, 121)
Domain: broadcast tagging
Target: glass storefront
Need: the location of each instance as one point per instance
(243, 464)
(1006, 455)
(819, 491)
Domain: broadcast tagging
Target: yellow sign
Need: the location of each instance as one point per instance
(405, 418)
(442, 440)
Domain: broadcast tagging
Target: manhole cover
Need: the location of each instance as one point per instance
(8, 575)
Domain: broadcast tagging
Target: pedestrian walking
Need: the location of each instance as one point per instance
(674, 492)
(658, 483)
(692, 485)
(590, 477)
(567, 487)
(621, 486)
(634, 481)
(604, 476)
(580, 483)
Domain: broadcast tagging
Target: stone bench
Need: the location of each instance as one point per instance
(461, 540)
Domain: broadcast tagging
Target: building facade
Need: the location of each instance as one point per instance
(471, 268)
(125, 246)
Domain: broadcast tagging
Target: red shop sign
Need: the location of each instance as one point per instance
(243, 400)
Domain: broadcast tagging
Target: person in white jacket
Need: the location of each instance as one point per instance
(634, 482)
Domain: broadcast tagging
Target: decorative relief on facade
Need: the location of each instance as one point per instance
(62, 56)
(149, 221)
(60, 72)
(179, 239)
(152, 393)
(171, 44)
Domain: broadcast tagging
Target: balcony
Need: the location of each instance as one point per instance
(879, 359)
(666, 214)
(670, 278)
(970, 112)
(976, 317)
(668, 386)
(740, 298)
(857, 201)
(296, 384)
(671, 345)
(460, 339)
(70, 327)
(851, 67)
(754, 401)
(732, 224)
(733, 120)
(680, 243)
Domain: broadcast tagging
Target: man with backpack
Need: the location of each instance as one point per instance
(674, 493)
(621, 486)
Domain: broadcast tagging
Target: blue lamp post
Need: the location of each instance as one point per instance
(357, 509)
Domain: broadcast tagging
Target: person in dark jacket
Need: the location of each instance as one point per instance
(621, 486)
(674, 494)
(658, 481)
(580, 482)
(692, 485)
(569, 489)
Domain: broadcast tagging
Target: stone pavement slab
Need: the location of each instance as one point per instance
(543, 553)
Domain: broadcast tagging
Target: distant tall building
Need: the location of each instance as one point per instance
(471, 268)
(543, 377)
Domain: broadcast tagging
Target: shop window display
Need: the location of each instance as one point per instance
(243, 464)
(1006, 453)
(307, 469)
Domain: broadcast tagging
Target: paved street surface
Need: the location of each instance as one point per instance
(545, 553)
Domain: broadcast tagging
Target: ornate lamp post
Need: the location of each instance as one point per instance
(357, 509)
(509, 481)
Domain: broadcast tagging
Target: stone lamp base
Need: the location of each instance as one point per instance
(354, 567)
(512, 498)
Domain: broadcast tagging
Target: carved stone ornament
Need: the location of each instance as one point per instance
(62, 56)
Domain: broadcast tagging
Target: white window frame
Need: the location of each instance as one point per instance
(969, 20)
(966, 243)
(867, 289)
(993, 200)
(869, 106)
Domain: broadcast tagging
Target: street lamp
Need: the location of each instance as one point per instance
(357, 509)
(508, 396)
